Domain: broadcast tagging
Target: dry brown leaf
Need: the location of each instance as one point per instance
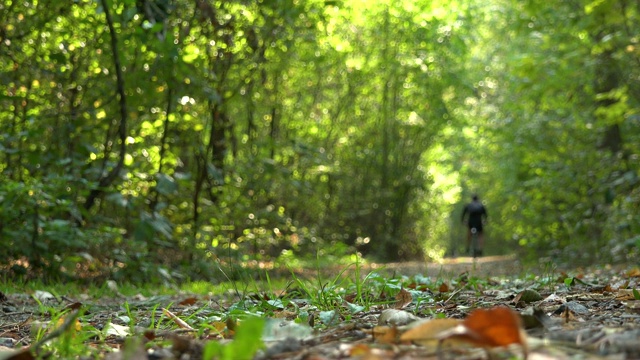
(351, 298)
(73, 306)
(625, 294)
(428, 332)
(632, 306)
(385, 334)
(527, 296)
(416, 286)
(24, 354)
(403, 299)
(444, 288)
(635, 272)
(285, 314)
(188, 301)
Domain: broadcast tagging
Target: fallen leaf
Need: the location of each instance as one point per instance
(632, 306)
(498, 326)
(43, 296)
(281, 330)
(625, 294)
(535, 318)
(527, 296)
(395, 317)
(428, 332)
(73, 306)
(415, 286)
(351, 297)
(330, 317)
(24, 354)
(77, 326)
(403, 299)
(188, 301)
(366, 352)
(117, 330)
(385, 334)
(443, 288)
(573, 307)
(219, 328)
(360, 350)
(635, 272)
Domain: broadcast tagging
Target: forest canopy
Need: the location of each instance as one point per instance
(138, 134)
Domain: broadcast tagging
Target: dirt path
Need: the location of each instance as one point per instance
(487, 266)
(483, 267)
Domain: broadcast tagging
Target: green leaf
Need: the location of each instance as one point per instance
(329, 317)
(355, 308)
(166, 185)
(569, 281)
(636, 294)
(245, 345)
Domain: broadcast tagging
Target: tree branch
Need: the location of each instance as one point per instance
(109, 178)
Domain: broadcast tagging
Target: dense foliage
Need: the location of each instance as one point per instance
(147, 133)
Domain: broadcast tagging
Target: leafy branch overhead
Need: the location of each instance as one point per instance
(137, 133)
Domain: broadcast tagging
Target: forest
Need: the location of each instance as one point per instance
(140, 137)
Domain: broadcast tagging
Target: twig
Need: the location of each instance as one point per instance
(452, 295)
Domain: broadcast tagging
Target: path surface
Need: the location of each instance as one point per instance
(487, 266)
(483, 266)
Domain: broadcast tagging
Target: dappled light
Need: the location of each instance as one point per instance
(190, 133)
(319, 179)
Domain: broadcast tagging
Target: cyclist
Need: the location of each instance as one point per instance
(477, 216)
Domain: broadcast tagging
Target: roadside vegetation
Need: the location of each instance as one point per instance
(351, 314)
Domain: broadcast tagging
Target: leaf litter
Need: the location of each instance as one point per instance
(591, 315)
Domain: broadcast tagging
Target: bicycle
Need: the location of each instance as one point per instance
(475, 250)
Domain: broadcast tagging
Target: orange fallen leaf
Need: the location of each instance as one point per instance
(495, 327)
(360, 350)
(403, 299)
(498, 326)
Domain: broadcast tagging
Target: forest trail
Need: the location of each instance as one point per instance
(486, 266)
(483, 267)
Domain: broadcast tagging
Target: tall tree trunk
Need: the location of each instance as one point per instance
(106, 180)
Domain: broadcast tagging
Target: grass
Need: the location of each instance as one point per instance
(227, 317)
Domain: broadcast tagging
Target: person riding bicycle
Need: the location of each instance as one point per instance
(477, 216)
